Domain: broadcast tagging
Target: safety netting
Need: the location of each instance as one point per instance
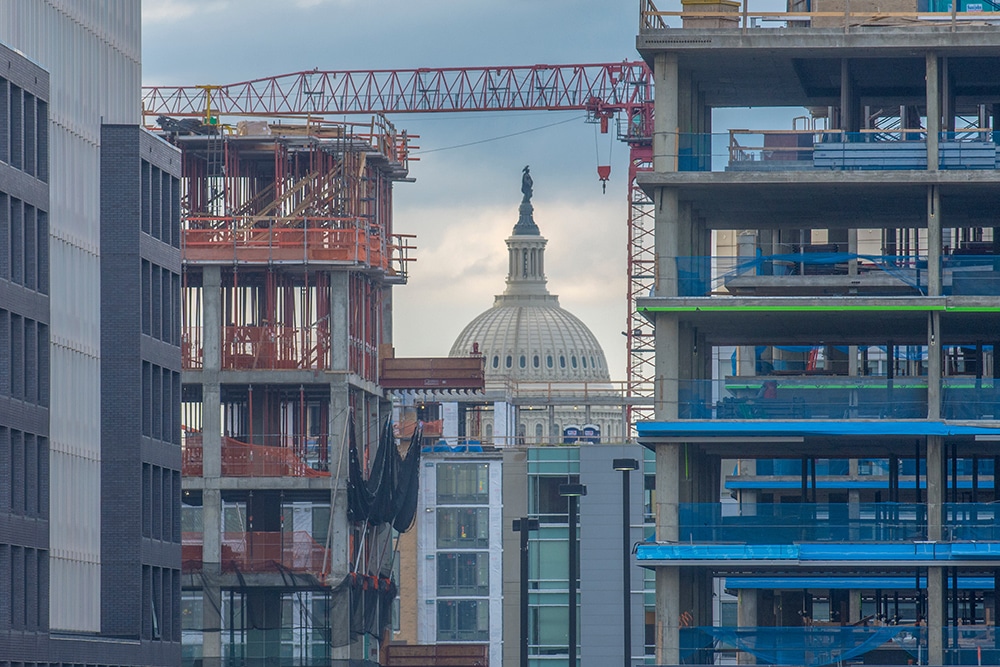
(703, 275)
(806, 646)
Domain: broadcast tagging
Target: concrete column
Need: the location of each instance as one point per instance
(748, 497)
(933, 110)
(666, 389)
(665, 100)
(934, 365)
(848, 101)
(947, 98)
(746, 617)
(667, 242)
(854, 605)
(340, 299)
(211, 621)
(211, 441)
(386, 315)
(937, 591)
(339, 528)
(668, 597)
(854, 505)
(936, 485)
(936, 576)
(668, 491)
(212, 324)
(934, 241)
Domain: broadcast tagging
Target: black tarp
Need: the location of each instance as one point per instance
(408, 486)
(389, 494)
(358, 498)
(383, 478)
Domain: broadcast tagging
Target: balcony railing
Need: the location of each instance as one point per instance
(802, 522)
(822, 270)
(803, 397)
(290, 240)
(756, 15)
(274, 347)
(294, 551)
(833, 150)
(778, 523)
(240, 459)
(824, 396)
(192, 349)
(818, 643)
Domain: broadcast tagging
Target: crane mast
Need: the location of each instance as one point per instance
(620, 91)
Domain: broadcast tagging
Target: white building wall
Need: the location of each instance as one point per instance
(496, 563)
(92, 50)
(426, 550)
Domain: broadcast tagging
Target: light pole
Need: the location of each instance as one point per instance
(626, 466)
(573, 493)
(523, 525)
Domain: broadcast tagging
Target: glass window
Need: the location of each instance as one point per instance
(548, 361)
(539, 431)
(535, 362)
(573, 361)
(549, 561)
(583, 360)
(727, 614)
(463, 528)
(192, 519)
(191, 611)
(463, 620)
(523, 362)
(562, 361)
(548, 625)
(463, 574)
(321, 523)
(496, 361)
(510, 361)
(463, 483)
(545, 500)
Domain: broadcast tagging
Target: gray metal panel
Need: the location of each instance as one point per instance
(601, 610)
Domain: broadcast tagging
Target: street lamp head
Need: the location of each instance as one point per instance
(524, 524)
(625, 464)
(572, 490)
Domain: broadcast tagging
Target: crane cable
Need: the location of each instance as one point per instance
(503, 136)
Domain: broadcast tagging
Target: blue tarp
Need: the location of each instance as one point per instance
(842, 583)
(718, 427)
(811, 552)
(806, 646)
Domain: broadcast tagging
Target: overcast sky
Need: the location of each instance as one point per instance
(464, 201)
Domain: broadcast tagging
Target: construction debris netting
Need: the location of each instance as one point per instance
(809, 646)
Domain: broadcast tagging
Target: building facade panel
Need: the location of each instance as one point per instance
(24, 317)
(92, 51)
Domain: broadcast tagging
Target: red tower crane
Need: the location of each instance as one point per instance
(622, 92)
